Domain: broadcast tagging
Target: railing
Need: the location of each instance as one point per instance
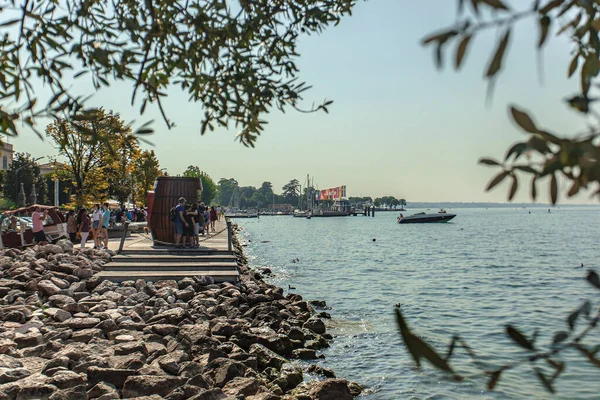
(124, 236)
(229, 234)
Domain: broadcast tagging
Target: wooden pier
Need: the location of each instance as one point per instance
(140, 258)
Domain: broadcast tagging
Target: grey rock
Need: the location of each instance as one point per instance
(266, 358)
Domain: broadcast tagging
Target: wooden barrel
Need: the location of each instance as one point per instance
(167, 191)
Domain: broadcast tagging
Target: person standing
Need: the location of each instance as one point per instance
(219, 213)
(179, 221)
(84, 226)
(72, 226)
(193, 213)
(213, 217)
(104, 223)
(201, 209)
(206, 219)
(38, 225)
(96, 216)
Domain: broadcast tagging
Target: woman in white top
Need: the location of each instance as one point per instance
(96, 217)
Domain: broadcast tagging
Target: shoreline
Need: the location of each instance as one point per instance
(66, 335)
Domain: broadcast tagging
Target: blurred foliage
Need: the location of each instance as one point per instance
(389, 202)
(235, 58)
(544, 154)
(544, 359)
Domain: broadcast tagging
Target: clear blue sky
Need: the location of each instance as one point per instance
(397, 125)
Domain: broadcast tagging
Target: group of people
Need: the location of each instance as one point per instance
(97, 222)
(190, 221)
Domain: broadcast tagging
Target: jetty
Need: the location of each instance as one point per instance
(138, 257)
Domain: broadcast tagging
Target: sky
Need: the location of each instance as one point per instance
(397, 126)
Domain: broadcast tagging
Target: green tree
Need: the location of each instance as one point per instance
(237, 59)
(402, 203)
(266, 189)
(123, 154)
(146, 168)
(226, 189)
(291, 192)
(259, 200)
(24, 169)
(87, 160)
(209, 187)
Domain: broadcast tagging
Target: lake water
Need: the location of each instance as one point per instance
(471, 277)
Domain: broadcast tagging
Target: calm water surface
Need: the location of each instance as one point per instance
(484, 269)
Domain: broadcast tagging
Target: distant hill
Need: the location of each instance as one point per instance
(448, 205)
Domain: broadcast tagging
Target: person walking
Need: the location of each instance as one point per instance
(38, 225)
(213, 217)
(219, 213)
(72, 226)
(179, 221)
(96, 216)
(85, 224)
(104, 223)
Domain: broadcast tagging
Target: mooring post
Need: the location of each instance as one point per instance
(125, 228)
(373, 212)
(229, 244)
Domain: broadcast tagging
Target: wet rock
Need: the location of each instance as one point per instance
(331, 389)
(144, 385)
(315, 324)
(304, 354)
(318, 370)
(318, 304)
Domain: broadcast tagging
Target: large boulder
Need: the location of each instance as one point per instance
(239, 387)
(266, 358)
(223, 370)
(316, 325)
(48, 288)
(114, 376)
(331, 389)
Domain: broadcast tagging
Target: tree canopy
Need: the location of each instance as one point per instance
(235, 58)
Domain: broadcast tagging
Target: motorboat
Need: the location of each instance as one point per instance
(442, 211)
(422, 218)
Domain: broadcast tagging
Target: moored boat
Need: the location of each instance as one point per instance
(425, 218)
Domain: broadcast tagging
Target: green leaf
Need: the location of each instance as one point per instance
(496, 63)
(544, 27)
(497, 4)
(461, 50)
(545, 381)
(572, 319)
(497, 179)
(517, 149)
(488, 161)
(553, 189)
(523, 120)
(593, 279)
(559, 337)
(494, 378)
(518, 337)
(513, 188)
(573, 65)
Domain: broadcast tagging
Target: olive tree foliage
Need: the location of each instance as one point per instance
(235, 58)
(543, 153)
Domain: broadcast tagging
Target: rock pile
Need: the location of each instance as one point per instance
(64, 334)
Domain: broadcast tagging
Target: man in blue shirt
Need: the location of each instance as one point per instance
(104, 223)
(179, 222)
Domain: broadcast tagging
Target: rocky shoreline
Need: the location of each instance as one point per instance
(64, 334)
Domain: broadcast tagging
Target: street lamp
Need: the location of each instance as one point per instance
(21, 202)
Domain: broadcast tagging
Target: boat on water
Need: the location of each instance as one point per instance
(341, 208)
(422, 218)
(241, 214)
(442, 211)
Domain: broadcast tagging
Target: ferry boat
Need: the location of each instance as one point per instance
(341, 208)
